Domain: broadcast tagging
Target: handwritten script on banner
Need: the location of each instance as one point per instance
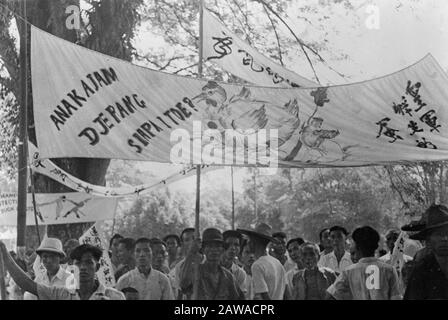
(234, 55)
(91, 105)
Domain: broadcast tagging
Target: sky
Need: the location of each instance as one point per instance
(408, 30)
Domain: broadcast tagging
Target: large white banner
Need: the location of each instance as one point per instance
(234, 55)
(58, 208)
(87, 104)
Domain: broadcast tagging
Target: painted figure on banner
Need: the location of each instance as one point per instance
(76, 209)
(247, 115)
(59, 205)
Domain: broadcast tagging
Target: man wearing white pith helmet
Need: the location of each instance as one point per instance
(51, 254)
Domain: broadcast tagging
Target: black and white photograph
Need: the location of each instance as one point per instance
(233, 155)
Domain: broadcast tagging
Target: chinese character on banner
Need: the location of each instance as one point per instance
(94, 237)
(388, 132)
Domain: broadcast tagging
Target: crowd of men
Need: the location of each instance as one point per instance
(246, 264)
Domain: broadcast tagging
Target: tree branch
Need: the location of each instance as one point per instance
(276, 35)
(159, 66)
(301, 43)
(394, 187)
(186, 68)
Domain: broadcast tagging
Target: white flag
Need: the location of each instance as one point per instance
(94, 236)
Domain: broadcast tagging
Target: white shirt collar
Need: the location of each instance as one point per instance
(59, 275)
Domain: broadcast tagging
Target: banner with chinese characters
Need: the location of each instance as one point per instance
(236, 56)
(87, 104)
(51, 170)
(94, 236)
(58, 208)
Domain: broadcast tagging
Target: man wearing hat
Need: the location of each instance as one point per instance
(232, 247)
(268, 274)
(51, 254)
(151, 284)
(429, 278)
(215, 281)
(86, 258)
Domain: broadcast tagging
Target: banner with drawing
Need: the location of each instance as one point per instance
(87, 104)
(226, 49)
(58, 208)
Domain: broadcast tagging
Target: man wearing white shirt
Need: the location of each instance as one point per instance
(86, 259)
(339, 258)
(151, 284)
(268, 274)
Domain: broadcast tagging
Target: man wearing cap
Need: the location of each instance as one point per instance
(279, 251)
(87, 259)
(51, 253)
(232, 247)
(268, 274)
(339, 258)
(429, 278)
(150, 283)
(215, 281)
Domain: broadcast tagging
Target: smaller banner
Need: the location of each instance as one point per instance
(94, 237)
(58, 208)
(234, 55)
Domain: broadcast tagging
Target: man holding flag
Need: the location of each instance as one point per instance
(86, 258)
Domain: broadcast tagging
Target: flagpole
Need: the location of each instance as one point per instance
(198, 167)
(23, 138)
(255, 195)
(233, 200)
(2, 277)
(34, 205)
